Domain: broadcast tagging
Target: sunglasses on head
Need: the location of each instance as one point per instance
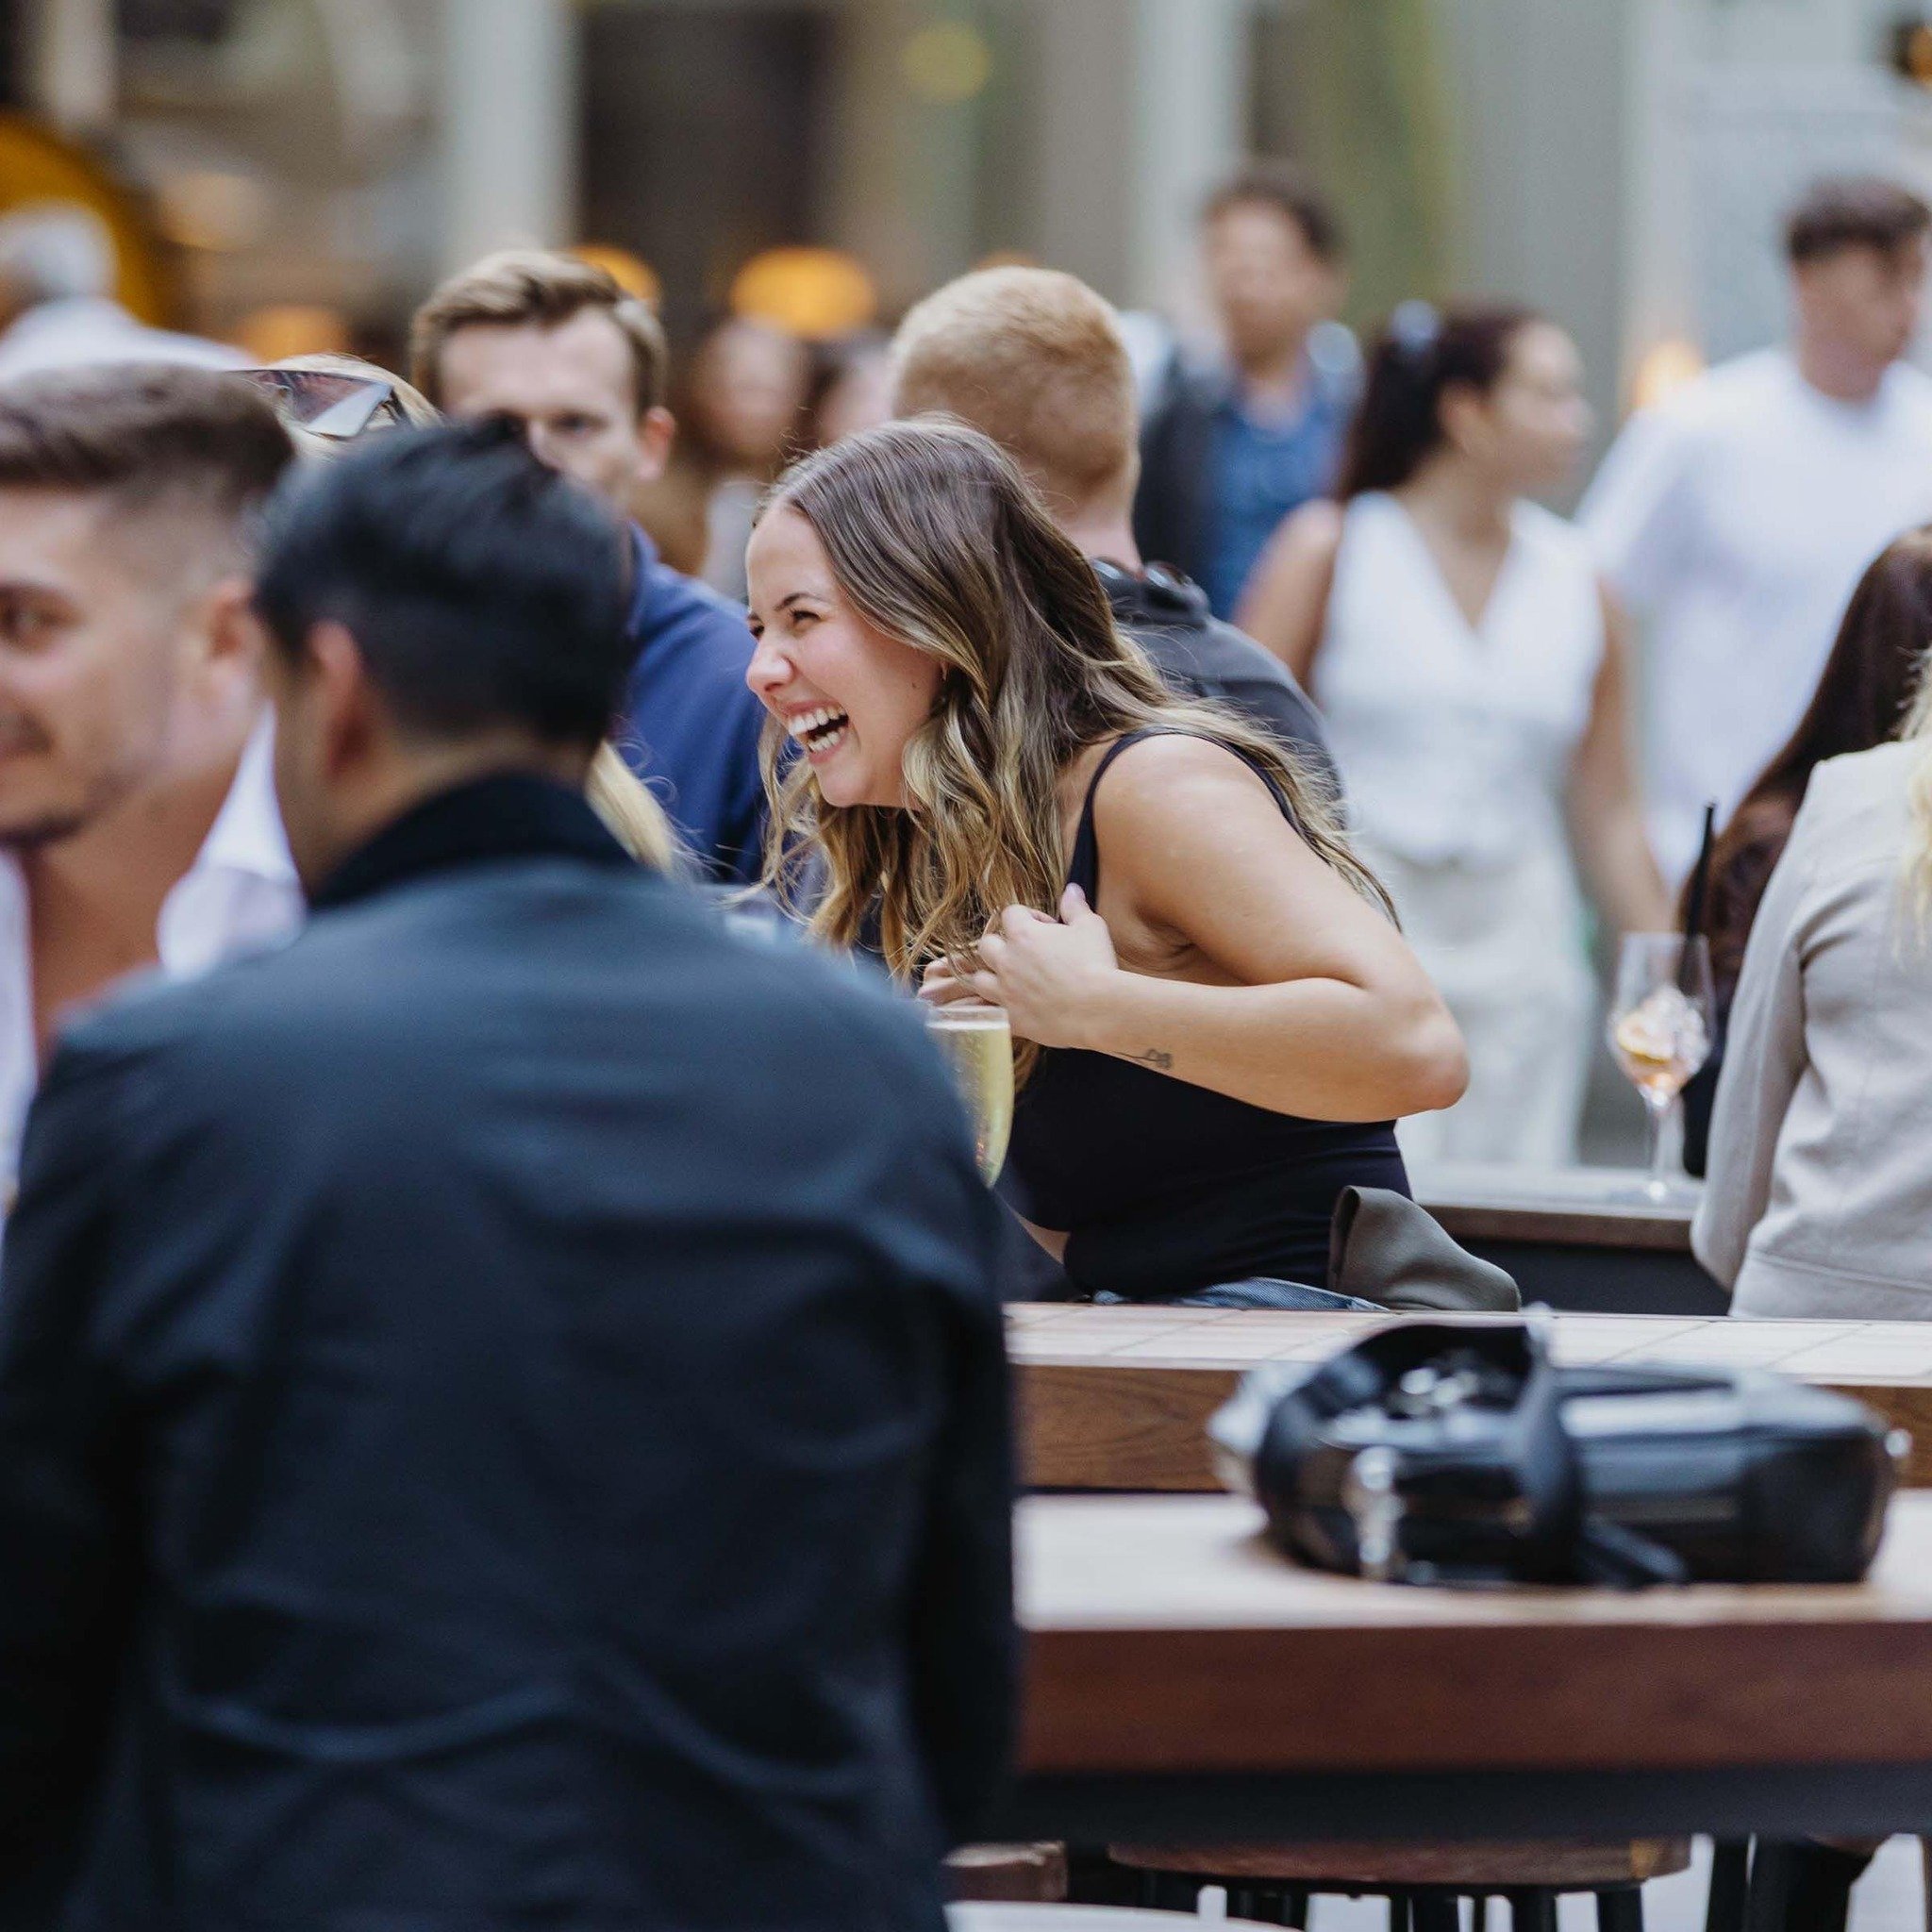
(326, 402)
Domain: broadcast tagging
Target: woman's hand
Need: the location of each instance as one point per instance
(1049, 974)
(1045, 972)
(939, 985)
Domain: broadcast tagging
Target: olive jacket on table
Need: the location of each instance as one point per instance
(502, 1423)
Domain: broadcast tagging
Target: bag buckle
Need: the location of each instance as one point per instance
(1376, 1508)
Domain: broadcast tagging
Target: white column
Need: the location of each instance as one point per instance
(878, 188)
(71, 69)
(510, 115)
(1189, 127)
(1083, 87)
(1660, 300)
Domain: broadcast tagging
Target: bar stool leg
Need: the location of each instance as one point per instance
(1533, 1912)
(1621, 1910)
(1801, 1887)
(1730, 1883)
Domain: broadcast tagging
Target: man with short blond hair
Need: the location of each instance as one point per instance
(555, 344)
(1034, 360)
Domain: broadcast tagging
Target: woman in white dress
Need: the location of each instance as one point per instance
(1472, 669)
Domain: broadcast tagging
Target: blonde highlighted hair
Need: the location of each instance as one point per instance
(938, 540)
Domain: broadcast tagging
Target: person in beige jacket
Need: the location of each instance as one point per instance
(1819, 1194)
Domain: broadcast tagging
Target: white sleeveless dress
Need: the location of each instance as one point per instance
(1454, 742)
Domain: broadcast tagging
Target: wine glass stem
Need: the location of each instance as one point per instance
(1658, 1110)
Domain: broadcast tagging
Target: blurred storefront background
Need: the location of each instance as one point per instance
(295, 173)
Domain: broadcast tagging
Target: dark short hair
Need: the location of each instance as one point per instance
(144, 434)
(1421, 355)
(1853, 211)
(1291, 194)
(483, 588)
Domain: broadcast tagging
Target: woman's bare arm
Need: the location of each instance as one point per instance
(1286, 603)
(1328, 1015)
(1606, 803)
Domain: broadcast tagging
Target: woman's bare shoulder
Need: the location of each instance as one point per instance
(1174, 771)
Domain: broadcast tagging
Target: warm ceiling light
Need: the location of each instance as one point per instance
(282, 329)
(631, 273)
(1664, 368)
(947, 63)
(817, 294)
(210, 208)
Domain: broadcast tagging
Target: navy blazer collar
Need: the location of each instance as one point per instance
(506, 815)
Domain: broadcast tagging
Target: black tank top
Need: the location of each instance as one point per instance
(1164, 1187)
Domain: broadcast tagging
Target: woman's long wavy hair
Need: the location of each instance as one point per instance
(940, 543)
(1916, 865)
(1872, 686)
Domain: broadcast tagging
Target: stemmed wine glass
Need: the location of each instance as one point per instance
(1661, 1020)
(978, 1047)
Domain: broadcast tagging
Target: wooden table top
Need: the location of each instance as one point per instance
(1118, 1398)
(1164, 1635)
(1571, 1206)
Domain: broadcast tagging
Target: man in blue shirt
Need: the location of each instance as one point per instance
(1227, 454)
(556, 343)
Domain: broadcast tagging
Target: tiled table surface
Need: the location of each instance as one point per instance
(1115, 1398)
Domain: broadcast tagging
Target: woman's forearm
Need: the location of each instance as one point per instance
(1621, 869)
(1320, 1048)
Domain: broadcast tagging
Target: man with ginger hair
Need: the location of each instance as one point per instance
(1034, 358)
(556, 345)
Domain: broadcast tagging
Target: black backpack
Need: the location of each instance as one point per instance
(1459, 1453)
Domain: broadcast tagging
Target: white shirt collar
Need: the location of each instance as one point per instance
(241, 889)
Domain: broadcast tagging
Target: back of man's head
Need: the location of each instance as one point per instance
(485, 592)
(520, 288)
(54, 252)
(149, 438)
(1034, 360)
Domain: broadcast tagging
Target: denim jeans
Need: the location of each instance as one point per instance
(1259, 1292)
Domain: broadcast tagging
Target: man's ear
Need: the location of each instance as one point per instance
(347, 712)
(236, 644)
(657, 432)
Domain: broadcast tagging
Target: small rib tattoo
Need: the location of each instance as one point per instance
(1161, 1062)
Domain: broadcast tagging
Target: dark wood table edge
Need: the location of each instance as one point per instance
(1836, 1800)
(1547, 1225)
(1122, 1427)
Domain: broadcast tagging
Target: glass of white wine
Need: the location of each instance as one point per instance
(978, 1047)
(1660, 1030)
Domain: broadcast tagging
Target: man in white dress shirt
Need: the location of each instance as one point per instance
(57, 297)
(138, 819)
(1736, 518)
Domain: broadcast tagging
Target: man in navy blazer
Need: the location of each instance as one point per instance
(502, 1406)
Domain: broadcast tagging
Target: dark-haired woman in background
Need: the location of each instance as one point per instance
(1861, 700)
(1471, 670)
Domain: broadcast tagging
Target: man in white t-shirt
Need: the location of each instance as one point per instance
(1736, 518)
(137, 820)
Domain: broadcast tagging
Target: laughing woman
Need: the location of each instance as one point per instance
(1218, 1020)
